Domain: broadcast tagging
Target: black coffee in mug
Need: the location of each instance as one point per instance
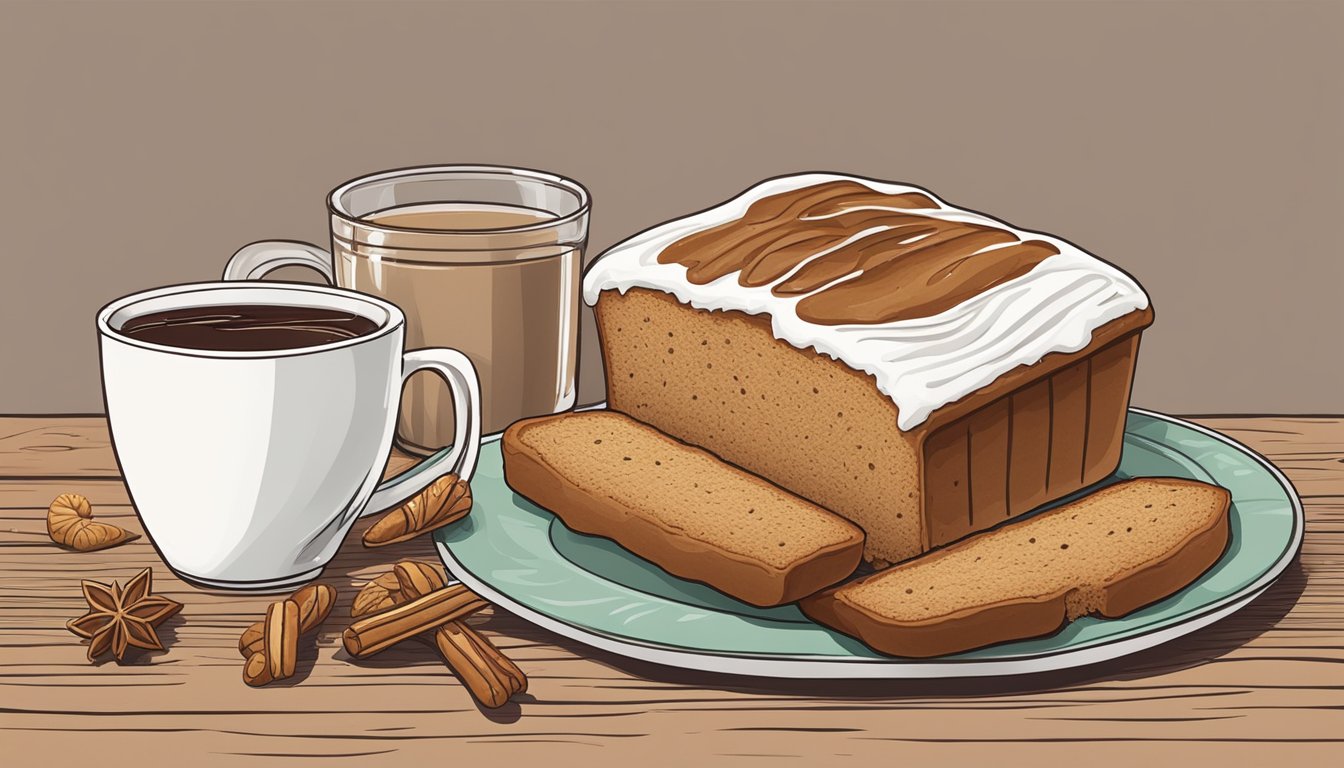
(247, 327)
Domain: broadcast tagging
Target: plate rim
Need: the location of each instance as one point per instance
(814, 667)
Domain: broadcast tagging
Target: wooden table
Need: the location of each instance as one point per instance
(1263, 686)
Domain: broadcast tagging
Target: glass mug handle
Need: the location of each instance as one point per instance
(459, 458)
(254, 260)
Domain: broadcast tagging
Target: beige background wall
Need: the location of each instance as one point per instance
(1198, 145)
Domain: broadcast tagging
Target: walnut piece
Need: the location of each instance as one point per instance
(70, 523)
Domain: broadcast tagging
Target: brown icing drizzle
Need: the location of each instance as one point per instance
(912, 266)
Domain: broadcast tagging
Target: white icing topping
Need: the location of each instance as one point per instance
(921, 364)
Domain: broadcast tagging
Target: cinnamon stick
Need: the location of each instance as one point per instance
(257, 671)
(253, 640)
(501, 666)
(517, 680)
(383, 630)
(281, 631)
(314, 601)
(415, 579)
(445, 501)
(490, 676)
(483, 679)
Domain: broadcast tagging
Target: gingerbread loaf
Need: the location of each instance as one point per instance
(923, 370)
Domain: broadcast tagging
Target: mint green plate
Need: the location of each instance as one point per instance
(521, 557)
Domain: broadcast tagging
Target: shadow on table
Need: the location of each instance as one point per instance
(419, 652)
(1192, 650)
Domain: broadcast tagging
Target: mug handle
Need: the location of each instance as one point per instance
(460, 458)
(254, 260)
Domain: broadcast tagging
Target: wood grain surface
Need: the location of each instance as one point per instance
(1265, 685)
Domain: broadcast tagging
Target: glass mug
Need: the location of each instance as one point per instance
(483, 259)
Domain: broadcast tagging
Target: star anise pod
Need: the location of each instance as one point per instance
(122, 617)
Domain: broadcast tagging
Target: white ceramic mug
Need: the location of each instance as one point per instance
(248, 469)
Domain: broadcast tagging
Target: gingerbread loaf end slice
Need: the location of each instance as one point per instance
(679, 506)
(1109, 553)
